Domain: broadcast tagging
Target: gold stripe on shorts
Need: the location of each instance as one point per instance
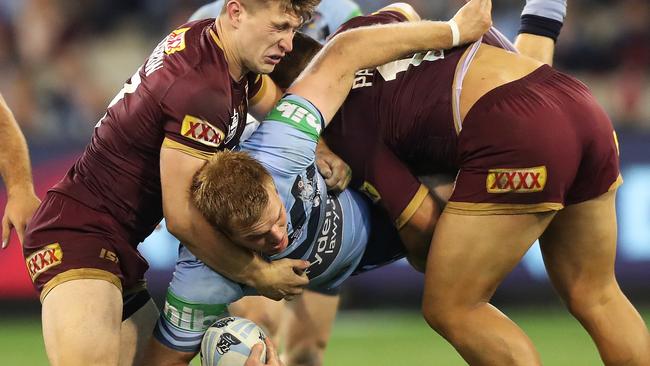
(480, 209)
(80, 274)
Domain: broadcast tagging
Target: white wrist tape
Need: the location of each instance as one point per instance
(455, 33)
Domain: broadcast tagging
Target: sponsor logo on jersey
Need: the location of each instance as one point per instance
(201, 131)
(108, 255)
(370, 191)
(294, 114)
(191, 317)
(328, 242)
(521, 180)
(307, 194)
(234, 123)
(175, 41)
(46, 258)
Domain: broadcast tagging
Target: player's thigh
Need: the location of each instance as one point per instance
(579, 246)
(470, 255)
(136, 332)
(261, 310)
(310, 320)
(81, 323)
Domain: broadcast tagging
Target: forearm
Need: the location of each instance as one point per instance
(538, 47)
(367, 47)
(328, 78)
(188, 225)
(217, 251)
(14, 160)
(541, 22)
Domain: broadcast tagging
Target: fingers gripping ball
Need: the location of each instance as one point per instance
(229, 341)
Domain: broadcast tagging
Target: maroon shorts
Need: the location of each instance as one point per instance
(534, 145)
(67, 240)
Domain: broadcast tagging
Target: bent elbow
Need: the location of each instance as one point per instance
(176, 227)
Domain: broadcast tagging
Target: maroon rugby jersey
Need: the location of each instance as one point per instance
(390, 129)
(182, 97)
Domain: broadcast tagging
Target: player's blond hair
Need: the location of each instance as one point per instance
(302, 8)
(230, 190)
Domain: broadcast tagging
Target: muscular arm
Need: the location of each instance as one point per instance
(17, 176)
(538, 47)
(213, 248)
(262, 103)
(541, 21)
(328, 78)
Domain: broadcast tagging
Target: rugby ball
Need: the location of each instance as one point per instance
(229, 341)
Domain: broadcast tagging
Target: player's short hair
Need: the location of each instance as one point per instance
(292, 64)
(302, 8)
(230, 190)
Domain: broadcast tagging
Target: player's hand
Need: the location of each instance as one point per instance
(474, 19)
(272, 358)
(284, 278)
(337, 173)
(19, 210)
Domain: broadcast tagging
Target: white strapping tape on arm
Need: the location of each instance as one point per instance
(455, 33)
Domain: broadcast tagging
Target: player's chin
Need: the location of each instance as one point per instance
(264, 69)
(267, 65)
(278, 247)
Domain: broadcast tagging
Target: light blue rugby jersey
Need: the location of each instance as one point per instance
(330, 231)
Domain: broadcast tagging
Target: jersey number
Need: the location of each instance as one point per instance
(390, 70)
(128, 88)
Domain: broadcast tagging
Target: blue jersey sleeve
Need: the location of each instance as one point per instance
(285, 143)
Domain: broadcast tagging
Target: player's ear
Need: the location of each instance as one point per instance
(234, 11)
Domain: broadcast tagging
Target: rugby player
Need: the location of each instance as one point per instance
(307, 321)
(16, 173)
(187, 101)
(306, 324)
(536, 157)
(278, 204)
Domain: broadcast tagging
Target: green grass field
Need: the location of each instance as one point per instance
(371, 339)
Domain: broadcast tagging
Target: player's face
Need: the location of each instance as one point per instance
(267, 34)
(269, 234)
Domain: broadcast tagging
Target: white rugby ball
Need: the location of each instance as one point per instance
(229, 341)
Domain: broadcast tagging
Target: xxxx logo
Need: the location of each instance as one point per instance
(370, 191)
(175, 41)
(44, 259)
(524, 180)
(201, 131)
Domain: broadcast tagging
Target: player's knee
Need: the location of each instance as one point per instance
(583, 302)
(435, 317)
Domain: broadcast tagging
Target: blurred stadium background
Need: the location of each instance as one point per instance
(61, 62)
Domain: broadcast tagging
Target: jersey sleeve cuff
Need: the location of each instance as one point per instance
(412, 207)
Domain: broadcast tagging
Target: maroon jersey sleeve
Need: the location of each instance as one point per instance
(390, 182)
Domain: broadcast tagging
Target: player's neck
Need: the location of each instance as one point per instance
(236, 67)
